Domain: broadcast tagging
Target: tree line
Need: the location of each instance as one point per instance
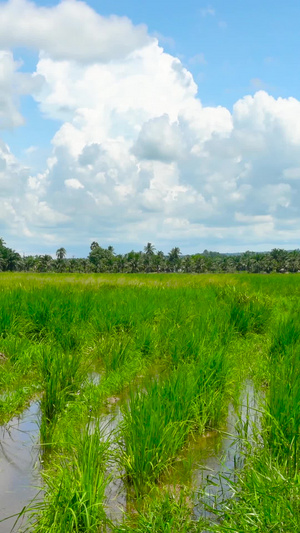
(149, 260)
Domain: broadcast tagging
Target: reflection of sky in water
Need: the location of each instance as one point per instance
(208, 460)
(212, 459)
(18, 464)
(220, 463)
(115, 491)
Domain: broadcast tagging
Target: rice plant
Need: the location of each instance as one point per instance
(173, 350)
(62, 375)
(158, 419)
(74, 488)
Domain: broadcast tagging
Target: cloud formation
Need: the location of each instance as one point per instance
(13, 84)
(137, 157)
(70, 30)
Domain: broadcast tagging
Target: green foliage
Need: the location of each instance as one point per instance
(166, 513)
(172, 351)
(266, 498)
(105, 260)
(158, 419)
(284, 393)
(62, 375)
(248, 312)
(74, 491)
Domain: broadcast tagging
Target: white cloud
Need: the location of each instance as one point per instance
(292, 173)
(70, 30)
(137, 157)
(30, 150)
(12, 85)
(208, 11)
(198, 59)
(73, 184)
(159, 140)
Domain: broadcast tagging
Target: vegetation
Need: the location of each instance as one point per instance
(135, 376)
(105, 260)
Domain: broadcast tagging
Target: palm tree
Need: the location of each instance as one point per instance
(148, 259)
(159, 261)
(45, 263)
(149, 249)
(61, 254)
(174, 259)
(187, 264)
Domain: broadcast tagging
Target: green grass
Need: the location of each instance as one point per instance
(158, 419)
(175, 350)
(74, 488)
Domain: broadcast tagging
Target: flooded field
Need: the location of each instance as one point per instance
(19, 464)
(158, 407)
(213, 457)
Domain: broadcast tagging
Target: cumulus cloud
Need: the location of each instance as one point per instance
(13, 84)
(159, 140)
(70, 30)
(138, 158)
(22, 210)
(73, 183)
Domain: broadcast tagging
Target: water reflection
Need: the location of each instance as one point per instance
(208, 461)
(224, 454)
(116, 491)
(19, 453)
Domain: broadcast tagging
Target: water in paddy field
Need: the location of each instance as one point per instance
(19, 451)
(209, 461)
(224, 455)
(116, 495)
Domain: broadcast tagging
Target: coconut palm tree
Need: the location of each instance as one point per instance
(61, 254)
(174, 259)
(148, 257)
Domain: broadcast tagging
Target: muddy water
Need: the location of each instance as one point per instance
(19, 452)
(115, 491)
(223, 453)
(209, 461)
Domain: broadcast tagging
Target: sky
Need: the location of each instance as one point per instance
(127, 122)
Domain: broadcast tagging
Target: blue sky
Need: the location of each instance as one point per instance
(180, 132)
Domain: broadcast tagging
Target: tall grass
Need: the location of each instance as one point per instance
(62, 375)
(167, 512)
(248, 312)
(158, 419)
(284, 394)
(191, 340)
(266, 492)
(74, 488)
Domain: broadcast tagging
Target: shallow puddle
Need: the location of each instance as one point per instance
(19, 453)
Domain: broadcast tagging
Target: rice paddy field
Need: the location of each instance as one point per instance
(149, 403)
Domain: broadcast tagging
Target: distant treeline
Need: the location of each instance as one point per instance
(149, 260)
